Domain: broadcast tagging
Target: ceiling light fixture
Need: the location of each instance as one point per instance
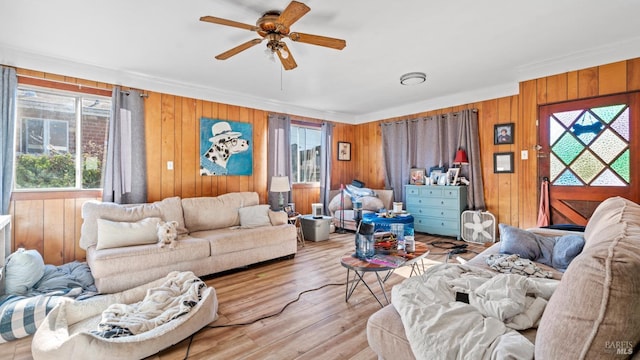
(413, 78)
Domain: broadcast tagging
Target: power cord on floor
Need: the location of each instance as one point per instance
(453, 248)
(260, 318)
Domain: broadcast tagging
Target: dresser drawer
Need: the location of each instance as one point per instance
(451, 193)
(431, 191)
(439, 213)
(435, 226)
(432, 202)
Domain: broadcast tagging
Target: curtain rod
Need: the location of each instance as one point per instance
(127, 92)
(422, 117)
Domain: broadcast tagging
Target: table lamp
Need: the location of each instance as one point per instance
(280, 184)
(461, 158)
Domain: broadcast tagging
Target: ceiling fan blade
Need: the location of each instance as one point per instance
(229, 53)
(220, 21)
(289, 63)
(294, 11)
(333, 43)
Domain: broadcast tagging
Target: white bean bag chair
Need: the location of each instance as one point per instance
(66, 331)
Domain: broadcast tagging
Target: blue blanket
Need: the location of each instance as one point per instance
(20, 315)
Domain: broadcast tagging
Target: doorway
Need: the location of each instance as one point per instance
(588, 150)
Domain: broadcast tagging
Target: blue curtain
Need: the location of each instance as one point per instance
(8, 90)
(125, 173)
(278, 154)
(326, 142)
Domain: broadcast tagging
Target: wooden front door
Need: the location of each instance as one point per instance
(589, 151)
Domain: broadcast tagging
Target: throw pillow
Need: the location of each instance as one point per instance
(23, 269)
(567, 247)
(526, 244)
(254, 216)
(278, 217)
(334, 204)
(112, 234)
(371, 203)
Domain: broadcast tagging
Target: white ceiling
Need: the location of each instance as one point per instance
(470, 50)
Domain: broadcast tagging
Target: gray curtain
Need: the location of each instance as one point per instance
(433, 141)
(326, 142)
(396, 157)
(125, 172)
(278, 154)
(8, 90)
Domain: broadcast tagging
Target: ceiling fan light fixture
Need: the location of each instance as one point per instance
(413, 78)
(284, 53)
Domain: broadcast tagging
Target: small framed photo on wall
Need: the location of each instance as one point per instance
(344, 151)
(503, 134)
(503, 162)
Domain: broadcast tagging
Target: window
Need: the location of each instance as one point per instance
(590, 146)
(61, 139)
(305, 154)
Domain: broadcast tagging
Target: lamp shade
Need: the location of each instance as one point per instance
(280, 184)
(461, 157)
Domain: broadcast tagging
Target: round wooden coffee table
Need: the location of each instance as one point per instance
(359, 268)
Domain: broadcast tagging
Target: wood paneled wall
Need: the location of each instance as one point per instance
(513, 198)
(50, 222)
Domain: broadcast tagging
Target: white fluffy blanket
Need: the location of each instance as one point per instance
(439, 327)
(179, 293)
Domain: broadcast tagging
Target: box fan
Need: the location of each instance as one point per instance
(478, 226)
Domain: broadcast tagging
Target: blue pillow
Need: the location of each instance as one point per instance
(566, 249)
(526, 244)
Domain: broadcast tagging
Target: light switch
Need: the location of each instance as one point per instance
(169, 165)
(524, 154)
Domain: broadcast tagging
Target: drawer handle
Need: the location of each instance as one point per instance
(420, 211)
(442, 213)
(441, 202)
(442, 224)
(420, 201)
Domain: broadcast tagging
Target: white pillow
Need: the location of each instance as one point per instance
(24, 269)
(254, 216)
(113, 234)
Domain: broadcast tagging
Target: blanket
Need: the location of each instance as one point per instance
(514, 264)
(20, 315)
(176, 296)
(439, 327)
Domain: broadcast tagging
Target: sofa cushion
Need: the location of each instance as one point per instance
(208, 213)
(133, 259)
(121, 233)
(596, 303)
(254, 216)
(169, 209)
(278, 217)
(230, 240)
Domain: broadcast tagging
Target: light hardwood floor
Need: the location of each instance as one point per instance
(321, 325)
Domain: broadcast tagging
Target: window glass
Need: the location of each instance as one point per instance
(50, 125)
(305, 154)
(590, 146)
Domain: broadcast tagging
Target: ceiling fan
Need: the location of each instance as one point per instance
(274, 26)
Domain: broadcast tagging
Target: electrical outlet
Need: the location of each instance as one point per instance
(524, 154)
(169, 165)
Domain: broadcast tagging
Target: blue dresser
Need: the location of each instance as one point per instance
(436, 209)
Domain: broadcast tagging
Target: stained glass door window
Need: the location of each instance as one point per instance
(590, 147)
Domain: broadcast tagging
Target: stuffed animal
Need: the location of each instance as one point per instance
(167, 234)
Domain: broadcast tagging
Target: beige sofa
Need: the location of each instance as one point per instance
(593, 312)
(215, 234)
(383, 199)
